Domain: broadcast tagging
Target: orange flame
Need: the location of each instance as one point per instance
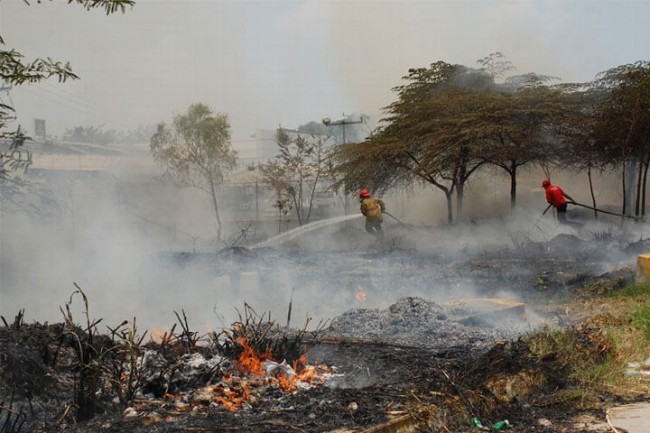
(360, 295)
(233, 400)
(233, 393)
(249, 361)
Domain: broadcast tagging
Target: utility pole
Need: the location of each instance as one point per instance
(342, 122)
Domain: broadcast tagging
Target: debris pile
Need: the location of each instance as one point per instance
(416, 322)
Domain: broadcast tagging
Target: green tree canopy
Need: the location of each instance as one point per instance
(197, 151)
(622, 120)
(424, 136)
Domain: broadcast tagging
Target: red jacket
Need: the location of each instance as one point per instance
(555, 195)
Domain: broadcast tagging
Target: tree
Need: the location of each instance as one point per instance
(496, 65)
(274, 176)
(517, 127)
(515, 118)
(423, 137)
(90, 134)
(302, 164)
(196, 150)
(16, 71)
(623, 119)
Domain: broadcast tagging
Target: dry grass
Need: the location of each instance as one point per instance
(613, 331)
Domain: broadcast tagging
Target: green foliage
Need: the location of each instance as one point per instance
(110, 6)
(587, 358)
(638, 294)
(302, 164)
(16, 70)
(196, 150)
(621, 127)
(89, 134)
(98, 135)
(448, 121)
(638, 289)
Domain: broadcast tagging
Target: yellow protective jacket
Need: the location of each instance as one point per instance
(372, 208)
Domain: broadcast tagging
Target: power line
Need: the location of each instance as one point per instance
(38, 93)
(71, 97)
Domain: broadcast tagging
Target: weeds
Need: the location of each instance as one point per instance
(124, 369)
(637, 298)
(89, 371)
(596, 350)
(263, 335)
(583, 354)
(634, 290)
(641, 319)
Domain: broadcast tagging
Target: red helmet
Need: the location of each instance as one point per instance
(545, 183)
(364, 193)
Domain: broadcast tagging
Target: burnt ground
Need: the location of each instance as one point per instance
(411, 357)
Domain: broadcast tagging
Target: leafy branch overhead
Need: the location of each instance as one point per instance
(15, 70)
(110, 6)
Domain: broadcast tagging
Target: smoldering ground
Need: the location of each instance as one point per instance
(141, 248)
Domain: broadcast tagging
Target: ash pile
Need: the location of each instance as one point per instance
(463, 325)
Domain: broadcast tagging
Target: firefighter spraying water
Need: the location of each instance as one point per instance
(372, 209)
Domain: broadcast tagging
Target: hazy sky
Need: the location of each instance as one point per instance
(287, 62)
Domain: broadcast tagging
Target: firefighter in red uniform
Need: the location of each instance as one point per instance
(558, 199)
(372, 209)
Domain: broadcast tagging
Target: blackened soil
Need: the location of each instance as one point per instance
(62, 378)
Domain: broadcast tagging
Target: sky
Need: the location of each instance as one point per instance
(270, 63)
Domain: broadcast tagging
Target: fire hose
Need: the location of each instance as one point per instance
(543, 213)
(400, 222)
(604, 211)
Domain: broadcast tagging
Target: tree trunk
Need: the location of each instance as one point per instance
(460, 178)
(311, 196)
(645, 180)
(637, 204)
(213, 192)
(624, 174)
(591, 191)
(513, 186)
(450, 212)
(460, 193)
(296, 197)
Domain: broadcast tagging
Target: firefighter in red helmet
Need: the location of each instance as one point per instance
(557, 198)
(372, 209)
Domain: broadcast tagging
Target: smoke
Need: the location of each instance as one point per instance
(140, 247)
(293, 61)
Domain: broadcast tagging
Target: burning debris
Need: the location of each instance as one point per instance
(412, 362)
(249, 374)
(253, 366)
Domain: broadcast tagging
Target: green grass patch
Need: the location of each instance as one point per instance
(633, 290)
(641, 319)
